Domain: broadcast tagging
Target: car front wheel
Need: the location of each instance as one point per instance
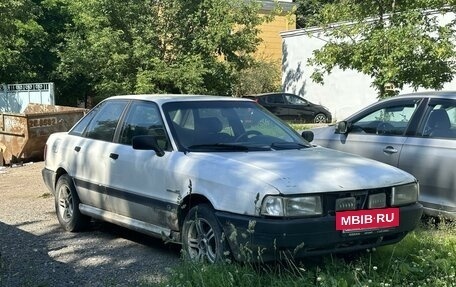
(320, 119)
(67, 205)
(202, 236)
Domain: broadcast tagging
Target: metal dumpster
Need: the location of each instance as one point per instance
(23, 136)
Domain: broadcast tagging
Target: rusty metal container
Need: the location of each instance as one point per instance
(23, 136)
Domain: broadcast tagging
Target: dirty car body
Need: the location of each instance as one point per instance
(225, 178)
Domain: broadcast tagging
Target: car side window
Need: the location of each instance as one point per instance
(392, 119)
(295, 100)
(440, 120)
(144, 118)
(275, 99)
(103, 126)
(80, 127)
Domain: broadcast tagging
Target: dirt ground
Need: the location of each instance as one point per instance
(35, 251)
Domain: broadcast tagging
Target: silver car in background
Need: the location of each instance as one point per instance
(415, 132)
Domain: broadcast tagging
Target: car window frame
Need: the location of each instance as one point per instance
(284, 100)
(124, 117)
(304, 103)
(427, 109)
(120, 120)
(89, 115)
(412, 125)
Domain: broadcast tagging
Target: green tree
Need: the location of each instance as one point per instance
(173, 46)
(307, 12)
(22, 42)
(399, 42)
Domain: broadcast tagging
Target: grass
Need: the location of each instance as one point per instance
(426, 257)
(300, 127)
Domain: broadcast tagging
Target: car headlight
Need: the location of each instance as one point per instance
(405, 194)
(291, 206)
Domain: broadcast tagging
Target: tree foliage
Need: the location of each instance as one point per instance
(399, 42)
(307, 13)
(98, 48)
(259, 77)
(174, 46)
(22, 41)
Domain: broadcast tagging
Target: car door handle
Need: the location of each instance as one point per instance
(114, 156)
(77, 148)
(389, 150)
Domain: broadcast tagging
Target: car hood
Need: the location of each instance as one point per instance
(308, 170)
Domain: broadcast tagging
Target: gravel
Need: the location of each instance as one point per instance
(35, 251)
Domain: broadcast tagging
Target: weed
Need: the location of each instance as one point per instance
(425, 257)
(46, 195)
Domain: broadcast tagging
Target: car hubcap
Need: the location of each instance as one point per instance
(201, 241)
(320, 119)
(65, 203)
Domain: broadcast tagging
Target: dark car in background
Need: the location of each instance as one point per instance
(414, 132)
(292, 107)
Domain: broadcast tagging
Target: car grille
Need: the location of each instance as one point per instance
(353, 200)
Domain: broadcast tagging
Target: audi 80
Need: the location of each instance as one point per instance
(225, 178)
(415, 132)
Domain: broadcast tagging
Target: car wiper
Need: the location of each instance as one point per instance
(218, 147)
(288, 145)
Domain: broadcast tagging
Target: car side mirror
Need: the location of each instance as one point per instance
(147, 143)
(308, 135)
(342, 127)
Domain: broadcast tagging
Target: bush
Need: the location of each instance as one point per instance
(260, 77)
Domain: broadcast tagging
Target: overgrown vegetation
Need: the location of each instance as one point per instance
(261, 76)
(425, 257)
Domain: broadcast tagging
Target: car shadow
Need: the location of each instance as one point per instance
(104, 255)
(24, 260)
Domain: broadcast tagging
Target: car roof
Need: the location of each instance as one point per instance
(431, 94)
(166, 98)
(270, 94)
(427, 94)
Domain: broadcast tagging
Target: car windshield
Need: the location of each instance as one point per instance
(228, 126)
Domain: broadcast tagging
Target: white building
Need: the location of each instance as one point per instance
(343, 92)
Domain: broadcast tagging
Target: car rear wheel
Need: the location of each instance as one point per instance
(67, 205)
(320, 119)
(202, 236)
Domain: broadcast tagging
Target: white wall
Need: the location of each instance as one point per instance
(343, 92)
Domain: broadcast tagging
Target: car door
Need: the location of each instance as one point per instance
(91, 155)
(378, 133)
(139, 183)
(299, 108)
(431, 154)
(277, 105)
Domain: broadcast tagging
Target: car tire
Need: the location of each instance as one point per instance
(67, 206)
(202, 236)
(320, 118)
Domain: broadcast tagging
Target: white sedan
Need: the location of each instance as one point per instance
(225, 178)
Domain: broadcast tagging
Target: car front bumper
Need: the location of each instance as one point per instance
(265, 239)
